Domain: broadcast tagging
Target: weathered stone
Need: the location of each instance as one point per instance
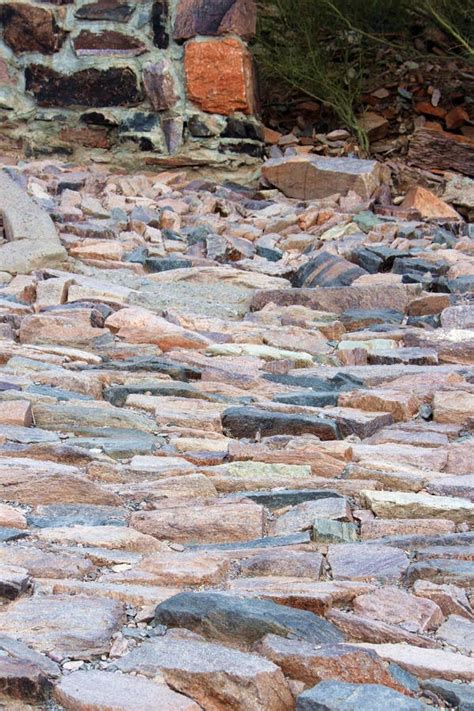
(342, 696)
(313, 177)
(115, 86)
(47, 564)
(94, 690)
(458, 632)
(211, 674)
(327, 531)
(426, 663)
(18, 413)
(30, 29)
(113, 10)
(34, 482)
(195, 17)
(214, 524)
(301, 517)
(13, 582)
(108, 43)
(247, 422)
(160, 87)
(400, 504)
(363, 562)
(327, 270)
(395, 606)
(68, 626)
(428, 205)
(367, 629)
(283, 563)
(402, 406)
(451, 599)
(453, 407)
(219, 76)
(461, 696)
(32, 240)
(225, 618)
(311, 664)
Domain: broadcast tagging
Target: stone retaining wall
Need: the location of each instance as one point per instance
(144, 81)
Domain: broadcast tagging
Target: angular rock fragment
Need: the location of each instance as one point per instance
(95, 689)
(342, 696)
(225, 618)
(212, 675)
(66, 625)
(313, 177)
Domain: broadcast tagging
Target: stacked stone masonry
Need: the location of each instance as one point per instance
(167, 82)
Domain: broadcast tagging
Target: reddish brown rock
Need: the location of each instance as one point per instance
(450, 598)
(401, 405)
(310, 664)
(428, 205)
(30, 29)
(113, 10)
(365, 629)
(214, 676)
(379, 527)
(215, 17)
(219, 76)
(453, 407)
(116, 86)
(108, 43)
(63, 624)
(395, 606)
(16, 412)
(199, 524)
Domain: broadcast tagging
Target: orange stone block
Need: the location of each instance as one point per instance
(16, 412)
(219, 76)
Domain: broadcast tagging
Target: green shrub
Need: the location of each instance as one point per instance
(326, 49)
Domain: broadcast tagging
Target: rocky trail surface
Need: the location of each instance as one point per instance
(236, 455)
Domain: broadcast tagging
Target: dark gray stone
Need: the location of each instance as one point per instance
(342, 696)
(57, 393)
(279, 498)
(176, 371)
(165, 264)
(228, 618)
(12, 534)
(246, 422)
(443, 570)
(54, 515)
(308, 399)
(267, 542)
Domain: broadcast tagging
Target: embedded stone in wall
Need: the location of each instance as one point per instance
(159, 21)
(112, 10)
(108, 43)
(30, 29)
(159, 85)
(219, 76)
(117, 86)
(5, 78)
(214, 17)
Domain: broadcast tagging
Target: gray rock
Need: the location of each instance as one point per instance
(54, 515)
(223, 617)
(342, 696)
(327, 531)
(246, 422)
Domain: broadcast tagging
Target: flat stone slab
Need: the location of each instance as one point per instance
(94, 690)
(32, 240)
(69, 626)
(239, 621)
(356, 561)
(342, 696)
(212, 675)
(312, 177)
(427, 663)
